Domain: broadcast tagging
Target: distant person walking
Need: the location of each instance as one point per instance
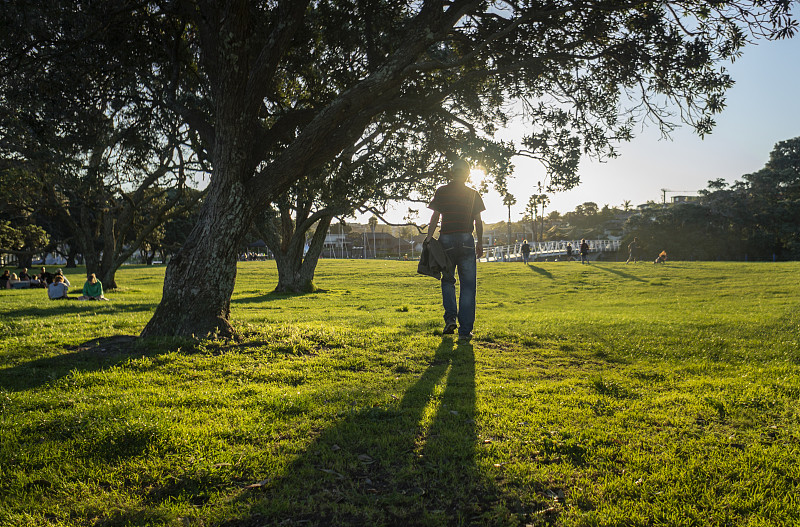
(459, 208)
(584, 249)
(526, 251)
(633, 250)
(569, 252)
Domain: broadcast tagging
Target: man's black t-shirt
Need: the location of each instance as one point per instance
(458, 204)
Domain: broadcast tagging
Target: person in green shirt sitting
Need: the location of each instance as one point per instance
(93, 289)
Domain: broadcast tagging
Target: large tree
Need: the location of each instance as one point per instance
(278, 89)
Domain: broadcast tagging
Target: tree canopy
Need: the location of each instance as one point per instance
(276, 90)
(88, 143)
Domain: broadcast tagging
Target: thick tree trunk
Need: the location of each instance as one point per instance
(25, 260)
(291, 278)
(71, 256)
(295, 270)
(109, 278)
(92, 263)
(199, 279)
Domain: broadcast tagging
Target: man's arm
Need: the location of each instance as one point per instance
(432, 225)
(479, 233)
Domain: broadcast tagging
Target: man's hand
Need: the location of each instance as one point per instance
(479, 249)
(432, 226)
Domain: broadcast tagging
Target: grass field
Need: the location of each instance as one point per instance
(603, 394)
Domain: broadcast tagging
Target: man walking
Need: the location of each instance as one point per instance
(526, 251)
(459, 208)
(584, 250)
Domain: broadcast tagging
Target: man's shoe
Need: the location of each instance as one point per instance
(449, 328)
(465, 338)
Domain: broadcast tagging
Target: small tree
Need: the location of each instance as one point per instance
(23, 242)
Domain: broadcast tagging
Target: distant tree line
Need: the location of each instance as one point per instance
(756, 218)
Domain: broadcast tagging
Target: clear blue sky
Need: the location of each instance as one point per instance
(762, 109)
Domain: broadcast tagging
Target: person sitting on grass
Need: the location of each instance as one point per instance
(45, 277)
(61, 274)
(27, 280)
(58, 289)
(17, 283)
(93, 289)
(661, 258)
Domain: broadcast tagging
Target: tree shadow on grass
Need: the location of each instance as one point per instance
(619, 273)
(413, 462)
(92, 355)
(539, 270)
(272, 296)
(62, 307)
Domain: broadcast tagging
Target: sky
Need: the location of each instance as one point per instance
(763, 108)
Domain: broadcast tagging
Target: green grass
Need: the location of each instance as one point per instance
(604, 394)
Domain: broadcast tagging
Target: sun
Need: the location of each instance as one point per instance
(476, 175)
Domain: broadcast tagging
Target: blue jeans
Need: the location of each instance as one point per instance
(460, 249)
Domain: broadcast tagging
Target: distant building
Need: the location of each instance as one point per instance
(683, 199)
(337, 246)
(380, 245)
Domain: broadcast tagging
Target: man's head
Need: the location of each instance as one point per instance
(459, 171)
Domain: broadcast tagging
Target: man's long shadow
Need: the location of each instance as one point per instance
(387, 466)
(539, 270)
